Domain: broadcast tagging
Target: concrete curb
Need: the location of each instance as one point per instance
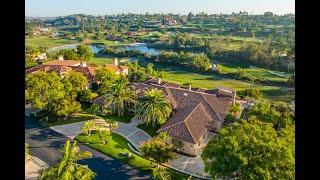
(39, 162)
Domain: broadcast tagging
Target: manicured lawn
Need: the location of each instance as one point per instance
(48, 42)
(100, 60)
(181, 76)
(256, 72)
(116, 145)
(53, 120)
(148, 129)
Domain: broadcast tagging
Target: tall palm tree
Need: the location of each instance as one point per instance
(119, 93)
(67, 168)
(153, 108)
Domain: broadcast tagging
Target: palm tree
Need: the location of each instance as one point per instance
(113, 125)
(87, 127)
(93, 109)
(67, 168)
(153, 108)
(118, 94)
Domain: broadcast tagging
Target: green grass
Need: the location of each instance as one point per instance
(181, 76)
(148, 129)
(47, 42)
(53, 120)
(254, 72)
(116, 145)
(100, 60)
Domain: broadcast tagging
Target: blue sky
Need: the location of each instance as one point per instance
(46, 8)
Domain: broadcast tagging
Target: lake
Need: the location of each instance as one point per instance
(94, 48)
(142, 47)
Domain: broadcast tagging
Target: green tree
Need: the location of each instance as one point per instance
(105, 77)
(160, 173)
(85, 95)
(119, 93)
(149, 69)
(93, 109)
(276, 114)
(65, 107)
(253, 93)
(77, 80)
(113, 125)
(235, 109)
(251, 150)
(42, 89)
(29, 62)
(87, 127)
(67, 168)
(84, 52)
(157, 149)
(153, 108)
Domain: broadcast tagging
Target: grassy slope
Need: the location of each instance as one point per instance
(255, 72)
(47, 42)
(210, 81)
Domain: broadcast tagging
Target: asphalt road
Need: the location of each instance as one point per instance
(45, 144)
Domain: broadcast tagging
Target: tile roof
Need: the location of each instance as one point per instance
(63, 63)
(116, 68)
(188, 123)
(193, 110)
(88, 72)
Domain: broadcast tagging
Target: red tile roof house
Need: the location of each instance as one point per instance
(62, 67)
(197, 113)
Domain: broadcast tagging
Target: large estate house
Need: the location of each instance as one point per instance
(62, 67)
(197, 113)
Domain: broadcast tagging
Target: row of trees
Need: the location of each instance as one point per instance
(82, 52)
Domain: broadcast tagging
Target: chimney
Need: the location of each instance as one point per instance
(115, 61)
(61, 58)
(189, 87)
(83, 63)
(159, 80)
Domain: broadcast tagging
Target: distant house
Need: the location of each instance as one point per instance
(197, 113)
(62, 67)
(122, 70)
(41, 57)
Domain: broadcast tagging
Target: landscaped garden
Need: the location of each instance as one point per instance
(117, 147)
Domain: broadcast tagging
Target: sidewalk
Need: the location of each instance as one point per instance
(33, 167)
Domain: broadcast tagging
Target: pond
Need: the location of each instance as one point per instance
(95, 48)
(142, 47)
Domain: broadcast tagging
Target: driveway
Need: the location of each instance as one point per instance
(45, 144)
(133, 134)
(136, 136)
